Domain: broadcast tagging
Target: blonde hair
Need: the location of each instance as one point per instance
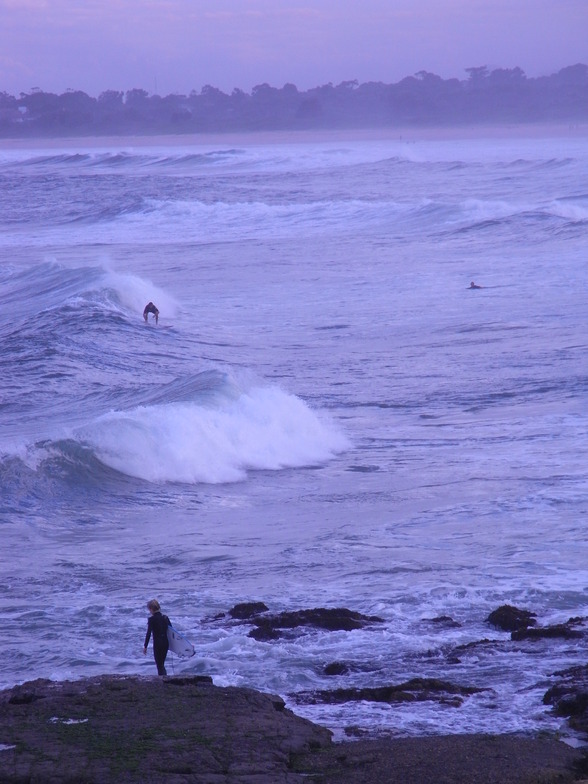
(153, 605)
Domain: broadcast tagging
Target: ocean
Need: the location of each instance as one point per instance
(326, 414)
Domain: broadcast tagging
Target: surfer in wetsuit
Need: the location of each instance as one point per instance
(150, 308)
(472, 286)
(157, 625)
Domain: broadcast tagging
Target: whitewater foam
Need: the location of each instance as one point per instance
(134, 292)
(264, 428)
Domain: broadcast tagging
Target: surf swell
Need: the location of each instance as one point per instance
(99, 403)
(213, 441)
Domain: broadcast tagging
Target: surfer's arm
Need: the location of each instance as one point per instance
(147, 636)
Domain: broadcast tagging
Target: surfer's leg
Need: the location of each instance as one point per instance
(159, 655)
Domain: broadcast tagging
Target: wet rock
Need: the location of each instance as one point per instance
(114, 729)
(470, 646)
(22, 696)
(247, 610)
(564, 631)
(131, 730)
(510, 619)
(331, 619)
(443, 620)
(456, 759)
(264, 633)
(347, 667)
(182, 680)
(455, 654)
(415, 690)
(352, 731)
(569, 697)
(336, 668)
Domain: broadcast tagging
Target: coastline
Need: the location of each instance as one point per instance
(407, 134)
(137, 730)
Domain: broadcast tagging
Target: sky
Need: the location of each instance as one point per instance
(176, 46)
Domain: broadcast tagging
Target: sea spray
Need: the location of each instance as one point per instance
(264, 428)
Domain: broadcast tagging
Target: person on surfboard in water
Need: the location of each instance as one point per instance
(150, 308)
(157, 624)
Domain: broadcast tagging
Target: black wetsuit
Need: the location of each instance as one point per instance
(150, 308)
(157, 624)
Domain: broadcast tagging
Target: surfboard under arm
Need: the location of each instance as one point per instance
(178, 644)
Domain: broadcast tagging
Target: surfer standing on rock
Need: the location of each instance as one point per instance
(157, 624)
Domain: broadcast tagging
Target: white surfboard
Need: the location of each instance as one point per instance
(179, 644)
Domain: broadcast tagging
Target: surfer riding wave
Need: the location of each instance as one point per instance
(150, 308)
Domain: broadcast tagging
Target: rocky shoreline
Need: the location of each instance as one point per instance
(181, 729)
(137, 730)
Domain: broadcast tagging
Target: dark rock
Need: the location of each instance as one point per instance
(345, 668)
(511, 619)
(336, 619)
(560, 630)
(470, 646)
(180, 730)
(569, 697)
(182, 680)
(247, 610)
(454, 759)
(24, 698)
(578, 673)
(336, 668)
(454, 655)
(415, 690)
(444, 620)
(119, 730)
(355, 732)
(265, 633)
(576, 620)
(572, 705)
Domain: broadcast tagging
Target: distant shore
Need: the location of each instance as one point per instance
(253, 138)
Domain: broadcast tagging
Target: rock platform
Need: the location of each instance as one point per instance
(185, 730)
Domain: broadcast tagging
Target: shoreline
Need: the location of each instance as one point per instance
(406, 134)
(136, 730)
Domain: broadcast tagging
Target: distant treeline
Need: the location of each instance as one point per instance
(500, 96)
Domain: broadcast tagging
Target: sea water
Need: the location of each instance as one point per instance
(326, 415)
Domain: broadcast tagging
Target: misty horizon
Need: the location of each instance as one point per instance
(471, 73)
(421, 99)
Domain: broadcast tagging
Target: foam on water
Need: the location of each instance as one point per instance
(202, 222)
(262, 428)
(133, 292)
(572, 209)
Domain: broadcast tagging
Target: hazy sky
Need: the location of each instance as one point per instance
(167, 46)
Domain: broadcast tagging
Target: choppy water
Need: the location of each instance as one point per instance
(324, 416)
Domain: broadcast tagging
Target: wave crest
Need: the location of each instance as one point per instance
(264, 428)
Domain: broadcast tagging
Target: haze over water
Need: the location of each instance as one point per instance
(325, 414)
